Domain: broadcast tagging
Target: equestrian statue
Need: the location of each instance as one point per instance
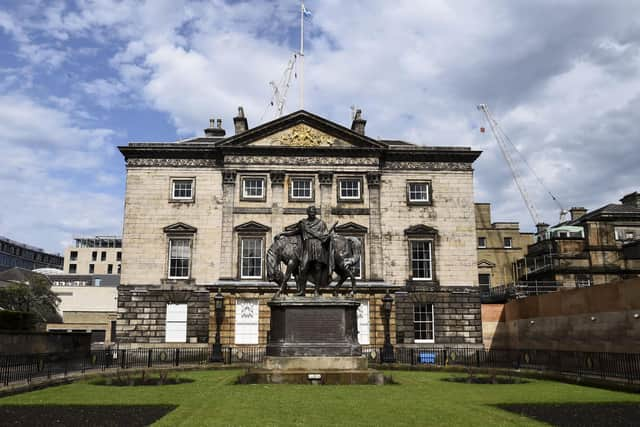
(311, 252)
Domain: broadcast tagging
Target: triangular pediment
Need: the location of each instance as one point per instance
(420, 230)
(486, 264)
(302, 130)
(179, 227)
(351, 227)
(252, 227)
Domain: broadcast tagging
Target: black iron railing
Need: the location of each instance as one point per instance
(20, 368)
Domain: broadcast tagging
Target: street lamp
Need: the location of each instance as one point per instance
(387, 355)
(218, 305)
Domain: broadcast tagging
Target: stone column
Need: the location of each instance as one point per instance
(326, 196)
(226, 230)
(278, 195)
(375, 227)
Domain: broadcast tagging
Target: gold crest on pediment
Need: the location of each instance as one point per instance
(305, 136)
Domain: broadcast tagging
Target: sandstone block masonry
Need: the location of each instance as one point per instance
(142, 314)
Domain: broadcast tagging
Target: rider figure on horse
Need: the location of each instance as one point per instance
(317, 256)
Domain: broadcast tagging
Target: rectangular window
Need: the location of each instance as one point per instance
(421, 259)
(423, 323)
(418, 192)
(176, 323)
(73, 268)
(484, 279)
(301, 189)
(73, 256)
(179, 258)
(182, 189)
(94, 256)
(119, 268)
(247, 321)
(253, 188)
(110, 269)
(251, 258)
(350, 189)
(508, 242)
(103, 256)
(363, 323)
(118, 256)
(92, 268)
(482, 242)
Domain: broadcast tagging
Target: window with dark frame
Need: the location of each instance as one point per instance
(94, 256)
(179, 258)
(484, 279)
(182, 189)
(508, 242)
(301, 189)
(110, 269)
(251, 258)
(73, 256)
(119, 269)
(482, 242)
(418, 192)
(92, 268)
(421, 259)
(103, 256)
(73, 268)
(350, 189)
(253, 187)
(118, 256)
(423, 328)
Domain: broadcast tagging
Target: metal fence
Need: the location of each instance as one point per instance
(16, 368)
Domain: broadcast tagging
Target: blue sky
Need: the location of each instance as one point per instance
(78, 78)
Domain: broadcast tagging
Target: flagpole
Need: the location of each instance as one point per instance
(302, 54)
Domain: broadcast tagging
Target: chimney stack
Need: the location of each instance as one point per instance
(577, 212)
(215, 129)
(358, 123)
(631, 199)
(240, 122)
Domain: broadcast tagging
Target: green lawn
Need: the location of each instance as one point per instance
(421, 398)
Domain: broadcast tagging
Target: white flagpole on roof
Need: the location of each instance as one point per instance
(302, 54)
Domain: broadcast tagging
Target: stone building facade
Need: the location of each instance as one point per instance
(500, 245)
(592, 248)
(201, 213)
(94, 255)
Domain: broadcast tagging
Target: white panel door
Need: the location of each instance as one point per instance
(247, 315)
(176, 324)
(363, 323)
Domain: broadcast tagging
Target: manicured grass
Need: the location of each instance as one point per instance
(421, 398)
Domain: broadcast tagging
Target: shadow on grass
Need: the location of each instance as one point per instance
(578, 414)
(81, 415)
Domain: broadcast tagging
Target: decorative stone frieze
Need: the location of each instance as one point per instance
(300, 160)
(429, 166)
(171, 163)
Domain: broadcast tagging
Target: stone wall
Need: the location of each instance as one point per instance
(142, 314)
(456, 316)
(598, 318)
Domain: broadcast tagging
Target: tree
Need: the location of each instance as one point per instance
(34, 297)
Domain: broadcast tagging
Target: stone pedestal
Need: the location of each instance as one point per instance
(307, 327)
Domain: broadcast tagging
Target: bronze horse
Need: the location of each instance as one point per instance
(288, 250)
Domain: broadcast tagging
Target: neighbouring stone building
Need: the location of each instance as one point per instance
(94, 255)
(200, 214)
(500, 245)
(591, 248)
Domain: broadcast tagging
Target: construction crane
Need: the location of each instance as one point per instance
(280, 89)
(504, 143)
